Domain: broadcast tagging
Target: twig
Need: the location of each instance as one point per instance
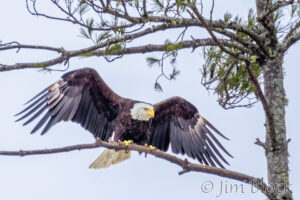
(213, 36)
(260, 143)
(211, 10)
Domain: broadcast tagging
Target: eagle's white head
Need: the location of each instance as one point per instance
(142, 111)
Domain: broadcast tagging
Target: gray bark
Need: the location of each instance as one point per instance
(276, 143)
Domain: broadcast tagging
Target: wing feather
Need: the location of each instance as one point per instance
(82, 108)
(217, 141)
(74, 107)
(210, 155)
(211, 144)
(176, 138)
(35, 115)
(30, 111)
(31, 105)
(40, 93)
(165, 139)
(41, 122)
(188, 132)
(55, 102)
(58, 107)
(199, 155)
(93, 121)
(80, 96)
(63, 111)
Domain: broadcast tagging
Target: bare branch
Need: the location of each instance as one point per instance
(22, 46)
(211, 10)
(184, 164)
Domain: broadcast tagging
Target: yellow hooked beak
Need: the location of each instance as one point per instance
(150, 112)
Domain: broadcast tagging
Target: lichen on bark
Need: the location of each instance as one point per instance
(276, 142)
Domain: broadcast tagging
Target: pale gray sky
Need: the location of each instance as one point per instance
(66, 175)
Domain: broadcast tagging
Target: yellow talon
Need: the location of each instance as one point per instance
(152, 147)
(127, 142)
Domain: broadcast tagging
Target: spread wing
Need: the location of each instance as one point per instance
(178, 123)
(80, 96)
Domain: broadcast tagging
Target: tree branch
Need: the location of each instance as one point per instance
(18, 46)
(153, 48)
(66, 55)
(292, 38)
(217, 25)
(260, 143)
(263, 101)
(207, 27)
(189, 22)
(184, 164)
(274, 7)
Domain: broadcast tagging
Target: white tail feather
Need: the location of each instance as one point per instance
(110, 157)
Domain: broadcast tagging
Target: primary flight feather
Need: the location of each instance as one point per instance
(83, 97)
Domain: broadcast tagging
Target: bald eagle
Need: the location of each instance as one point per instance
(83, 97)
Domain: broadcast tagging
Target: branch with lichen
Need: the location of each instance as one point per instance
(186, 165)
(132, 21)
(65, 55)
(293, 37)
(274, 7)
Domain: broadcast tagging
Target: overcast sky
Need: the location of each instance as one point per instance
(66, 175)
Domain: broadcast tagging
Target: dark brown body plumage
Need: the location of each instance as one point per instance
(83, 97)
(131, 129)
(114, 107)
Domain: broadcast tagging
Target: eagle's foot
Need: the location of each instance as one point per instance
(150, 146)
(127, 142)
